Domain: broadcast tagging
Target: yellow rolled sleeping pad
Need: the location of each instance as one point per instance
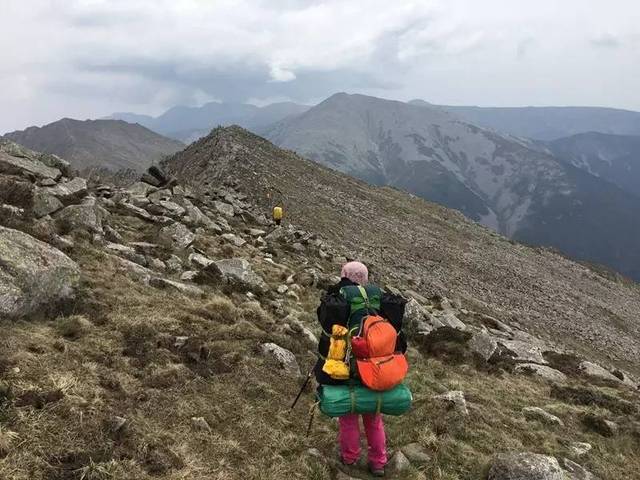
(334, 365)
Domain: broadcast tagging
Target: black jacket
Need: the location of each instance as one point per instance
(334, 309)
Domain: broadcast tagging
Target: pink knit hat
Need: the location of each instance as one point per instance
(356, 272)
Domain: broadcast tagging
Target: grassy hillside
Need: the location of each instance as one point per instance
(156, 368)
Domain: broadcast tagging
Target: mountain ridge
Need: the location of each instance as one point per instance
(110, 144)
(187, 124)
(615, 158)
(439, 253)
(504, 182)
(547, 123)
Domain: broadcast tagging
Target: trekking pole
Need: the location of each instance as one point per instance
(312, 414)
(304, 385)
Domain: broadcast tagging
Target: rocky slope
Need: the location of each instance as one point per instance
(421, 244)
(497, 180)
(188, 124)
(98, 143)
(548, 123)
(615, 158)
(172, 343)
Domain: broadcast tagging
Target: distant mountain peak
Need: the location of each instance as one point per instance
(506, 183)
(111, 144)
(188, 123)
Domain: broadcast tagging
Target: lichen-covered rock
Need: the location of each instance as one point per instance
(134, 271)
(416, 454)
(522, 351)
(54, 161)
(398, 463)
(455, 400)
(16, 165)
(197, 218)
(69, 191)
(483, 345)
(447, 319)
(177, 236)
(600, 424)
(580, 449)
(45, 204)
(174, 264)
(127, 252)
(88, 217)
(574, 471)
(234, 239)
(167, 208)
(416, 319)
(198, 260)
(540, 415)
(184, 288)
(594, 370)
(224, 208)
(135, 210)
(33, 275)
(525, 466)
(543, 371)
(235, 273)
(285, 359)
(141, 189)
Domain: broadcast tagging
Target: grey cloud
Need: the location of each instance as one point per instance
(238, 82)
(524, 47)
(106, 19)
(149, 55)
(606, 40)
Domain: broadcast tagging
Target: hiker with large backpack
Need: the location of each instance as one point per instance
(361, 362)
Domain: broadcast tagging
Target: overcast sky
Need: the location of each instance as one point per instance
(89, 58)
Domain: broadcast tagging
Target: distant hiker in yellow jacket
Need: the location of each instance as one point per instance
(278, 214)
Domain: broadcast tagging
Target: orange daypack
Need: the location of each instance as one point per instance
(380, 367)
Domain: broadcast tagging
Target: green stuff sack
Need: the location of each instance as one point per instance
(339, 400)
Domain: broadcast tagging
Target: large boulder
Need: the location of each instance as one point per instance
(45, 204)
(540, 415)
(33, 275)
(235, 273)
(283, 357)
(11, 164)
(521, 351)
(542, 371)
(69, 191)
(416, 454)
(416, 318)
(234, 239)
(135, 272)
(88, 217)
(483, 345)
(525, 466)
(54, 161)
(224, 208)
(140, 189)
(177, 236)
(197, 218)
(454, 400)
(447, 319)
(593, 370)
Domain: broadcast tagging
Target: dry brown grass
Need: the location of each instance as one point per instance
(129, 365)
(74, 327)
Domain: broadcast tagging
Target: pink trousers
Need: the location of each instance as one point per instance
(349, 438)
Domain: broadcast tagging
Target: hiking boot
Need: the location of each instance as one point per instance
(376, 471)
(347, 463)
